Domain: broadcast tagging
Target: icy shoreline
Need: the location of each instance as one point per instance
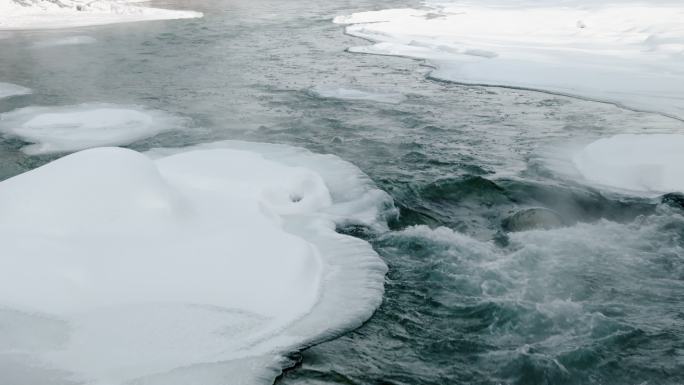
(42, 14)
(629, 55)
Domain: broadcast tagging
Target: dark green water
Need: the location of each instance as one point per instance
(599, 301)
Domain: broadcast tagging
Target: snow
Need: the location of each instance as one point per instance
(645, 164)
(181, 265)
(71, 128)
(8, 89)
(623, 53)
(358, 94)
(41, 14)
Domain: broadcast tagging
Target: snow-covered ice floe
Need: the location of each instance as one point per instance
(648, 163)
(72, 128)
(358, 94)
(8, 89)
(49, 14)
(63, 41)
(628, 54)
(637, 164)
(198, 265)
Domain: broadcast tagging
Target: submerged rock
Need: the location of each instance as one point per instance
(675, 200)
(533, 219)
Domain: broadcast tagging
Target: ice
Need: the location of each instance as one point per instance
(71, 128)
(179, 266)
(628, 54)
(69, 40)
(8, 89)
(39, 14)
(648, 163)
(358, 94)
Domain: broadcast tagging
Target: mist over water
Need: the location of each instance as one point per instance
(595, 297)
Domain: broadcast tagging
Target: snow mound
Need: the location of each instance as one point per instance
(628, 54)
(204, 264)
(650, 163)
(8, 89)
(71, 128)
(358, 94)
(40, 14)
(63, 41)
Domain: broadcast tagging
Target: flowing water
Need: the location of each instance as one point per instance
(598, 300)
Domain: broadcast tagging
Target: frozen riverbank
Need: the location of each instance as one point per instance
(630, 55)
(43, 14)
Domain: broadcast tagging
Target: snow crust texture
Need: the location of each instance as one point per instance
(72, 128)
(624, 53)
(50, 14)
(199, 265)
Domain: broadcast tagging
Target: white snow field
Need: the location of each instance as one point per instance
(649, 163)
(201, 265)
(630, 54)
(334, 92)
(49, 14)
(9, 89)
(71, 128)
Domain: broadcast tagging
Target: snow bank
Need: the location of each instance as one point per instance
(71, 128)
(357, 94)
(44, 14)
(8, 89)
(181, 266)
(627, 54)
(651, 164)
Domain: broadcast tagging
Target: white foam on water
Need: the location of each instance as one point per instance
(558, 281)
(64, 41)
(38, 14)
(72, 128)
(358, 94)
(9, 89)
(628, 54)
(198, 265)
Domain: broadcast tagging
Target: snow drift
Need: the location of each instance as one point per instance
(48, 14)
(628, 54)
(181, 266)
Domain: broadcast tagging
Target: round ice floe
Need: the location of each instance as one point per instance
(649, 163)
(189, 265)
(8, 89)
(358, 94)
(62, 41)
(71, 128)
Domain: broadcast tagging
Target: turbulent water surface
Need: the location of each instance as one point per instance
(590, 294)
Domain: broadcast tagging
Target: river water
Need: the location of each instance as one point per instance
(596, 301)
